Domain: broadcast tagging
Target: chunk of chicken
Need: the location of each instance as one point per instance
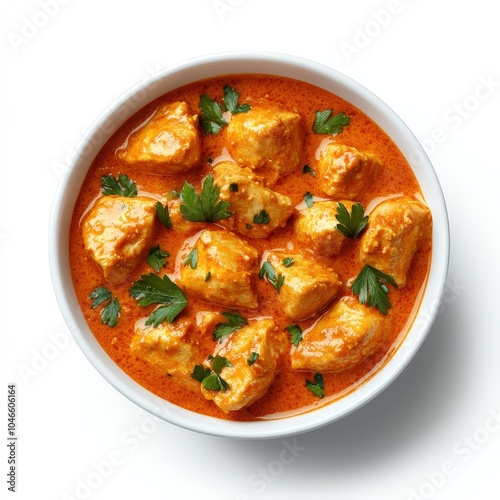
(269, 140)
(345, 172)
(170, 347)
(395, 231)
(248, 197)
(225, 271)
(346, 335)
(117, 232)
(249, 381)
(308, 286)
(169, 143)
(316, 227)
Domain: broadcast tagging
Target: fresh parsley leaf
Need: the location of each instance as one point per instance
(99, 295)
(295, 334)
(309, 199)
(261, 218)
(318, 386)
(288, 261)
(163, 215)
(211, 118)
(210, 379)
(191, 258)
(157, 258)
(151, 289)
(308, 170)
(110, 313)
(200, 372)
(231, 101)
(214, 382)
(351, 224)
(370, 286)
(121, 186)
(219, 362)
(326, 124)
(235, 322)
(205, 207)
(267, 270)
(254, 356)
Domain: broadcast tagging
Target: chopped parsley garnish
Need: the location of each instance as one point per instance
(111, 311)
(288, 261)
(254, 356)
(351, 224)
(235, 322)
(205, 207)
(326, 124)
(191, 258)
(208, 276)
(308, 170)
(157, 258)
(231, 101)
(295, 334)
(370, 286)
(267, 271)
(309, 199)
(261, 218)
(210, 379)
(212, 119)
(121, 186)
(151, 289)
(318, 386)
(163, 215)
(233, 187)
(99, 295)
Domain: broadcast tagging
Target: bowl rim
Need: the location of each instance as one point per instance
(199, 68)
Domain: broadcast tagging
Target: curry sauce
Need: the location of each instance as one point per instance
(287, 394)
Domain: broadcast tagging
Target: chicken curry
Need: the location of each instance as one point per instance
(250, 247)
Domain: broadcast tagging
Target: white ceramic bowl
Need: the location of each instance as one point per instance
(231, 63)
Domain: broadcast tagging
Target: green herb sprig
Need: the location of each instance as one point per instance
(211, 379)
(324, 123)
(151, 289)
(205, 207)
(121, 186)
(370, 285)
(351, 224)
(235, 321)
(111, 310)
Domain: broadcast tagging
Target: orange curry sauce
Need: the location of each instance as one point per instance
(288, 393)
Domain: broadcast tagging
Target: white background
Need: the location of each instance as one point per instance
(434, 433)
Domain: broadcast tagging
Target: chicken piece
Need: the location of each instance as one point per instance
(316, 227)
(347, 334)
(396, 229)
(171, 348)
(225, 271)
(345, 172)
(117, 232)
(248, 197)
(169, 143)
(307, 287)
(268, 140)
(249, 381)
